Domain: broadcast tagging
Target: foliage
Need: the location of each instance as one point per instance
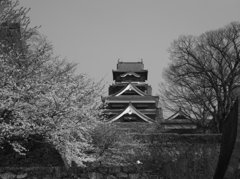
(203, 76)
(114, 146)
(41, 94)
(39, 153)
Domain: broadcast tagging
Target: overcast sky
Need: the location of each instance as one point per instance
(95, 33)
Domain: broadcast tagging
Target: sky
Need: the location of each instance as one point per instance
(96, 33)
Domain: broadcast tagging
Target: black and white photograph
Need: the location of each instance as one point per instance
(119, 89)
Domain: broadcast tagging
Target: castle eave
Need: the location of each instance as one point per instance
(130, 87)
(133, 99)
(131, 110)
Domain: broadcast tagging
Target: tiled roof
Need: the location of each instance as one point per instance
(130, 74)
(130, 87)
(131, 110)
(133, 98)
(130, 66)
(177, 118)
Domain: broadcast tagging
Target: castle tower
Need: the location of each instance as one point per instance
(130, 97)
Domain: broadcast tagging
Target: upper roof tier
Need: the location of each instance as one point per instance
(130, 72)
(130, 66)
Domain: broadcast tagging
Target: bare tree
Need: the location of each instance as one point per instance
(203, 75)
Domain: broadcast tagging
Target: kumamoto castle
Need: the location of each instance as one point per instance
(130, 97)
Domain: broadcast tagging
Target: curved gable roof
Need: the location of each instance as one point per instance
(130, 74)
(131, 110)
(130, 87)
